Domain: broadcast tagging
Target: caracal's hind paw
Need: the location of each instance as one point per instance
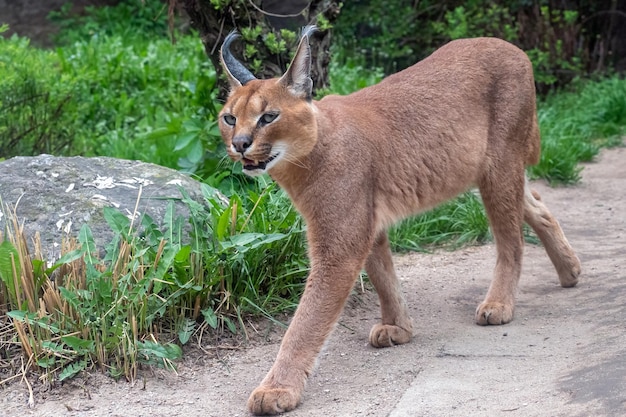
(385, 335)
(492, 312)
(569, 270)
(270, 401)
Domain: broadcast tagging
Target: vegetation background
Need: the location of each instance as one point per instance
(133, 80)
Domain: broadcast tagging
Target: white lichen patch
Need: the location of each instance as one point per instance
(101, 183)
(109, 182)
(136, 180)
(68, 227)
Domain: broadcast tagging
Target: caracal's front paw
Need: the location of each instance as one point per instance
(493, 312)
(269, 400)
(385, 335)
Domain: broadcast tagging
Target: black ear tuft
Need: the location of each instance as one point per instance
(298, 76)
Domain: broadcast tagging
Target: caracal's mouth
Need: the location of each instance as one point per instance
(252, 165)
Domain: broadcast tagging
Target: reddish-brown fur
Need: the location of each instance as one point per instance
(353, 165)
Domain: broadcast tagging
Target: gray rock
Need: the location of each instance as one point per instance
(55, 196)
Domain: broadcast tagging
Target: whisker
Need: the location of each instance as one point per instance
(297, 162)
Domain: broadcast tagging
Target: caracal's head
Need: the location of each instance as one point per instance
(267, 124)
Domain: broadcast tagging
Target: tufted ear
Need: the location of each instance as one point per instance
(298, 76)
(237, 74)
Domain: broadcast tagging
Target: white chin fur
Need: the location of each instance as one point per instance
(254, 172)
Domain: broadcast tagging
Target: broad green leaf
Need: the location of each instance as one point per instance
(184, 140)
(43, 322)
(116, 220)
(196, 152)
(192, 125)
(153, 350)
(78, 344)
(221, 231)
(231, 326)
(46, 362)
(267, 239)
(52, 346)
(8, 257)
(210, 317)
(65, 259)
(85, 237)
(72, 370)
(242, 239)
(186, 330)
(183, 254)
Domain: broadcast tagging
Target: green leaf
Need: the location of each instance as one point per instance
(52, 346)
(186, 330)
(184, 140)
(231, 326)
(196, 152)
(248, 241)
(242, 239)
(192, 125)
(8, 257)
(116, 220)
(212, 194)
(221, 231)
(153, 351)
(183, 254)
(65, 259)
(210, 317)
(43, 322)
(46, 362)
(168, 220)
(85, 238)
(71, 297)
(78, 344)
(72, 370)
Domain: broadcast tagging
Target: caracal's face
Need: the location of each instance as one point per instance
(264, 125)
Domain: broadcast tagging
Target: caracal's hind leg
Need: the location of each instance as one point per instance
(537, 215)
(502, 193)
(396, 326)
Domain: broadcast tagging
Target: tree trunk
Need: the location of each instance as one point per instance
(270, 30)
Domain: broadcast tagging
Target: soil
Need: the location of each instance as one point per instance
(563, 354)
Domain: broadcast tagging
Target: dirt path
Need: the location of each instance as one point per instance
(564, 353)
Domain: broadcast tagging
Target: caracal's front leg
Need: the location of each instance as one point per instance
(396, 326)
(327, 289)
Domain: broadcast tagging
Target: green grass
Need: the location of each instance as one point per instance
(576, 124)
(154, 289)
(459, 222)
(117, 96)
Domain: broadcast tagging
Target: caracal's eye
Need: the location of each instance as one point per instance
(229, 119)
(268, 118)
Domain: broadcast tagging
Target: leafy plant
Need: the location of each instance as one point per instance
(576, 124)
(136, 18)
(153, 284)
